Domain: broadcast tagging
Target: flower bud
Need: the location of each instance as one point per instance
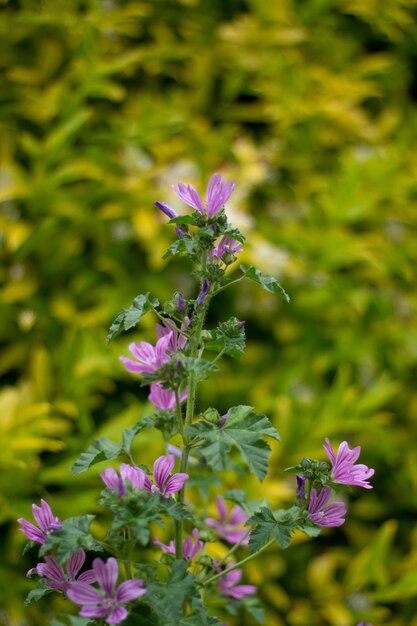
(211, 415)
(206, 335)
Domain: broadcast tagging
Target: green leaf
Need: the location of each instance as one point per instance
(127, 318)
(267, 282)
(182, 247)
(234, 233)
(229, 338)
(73, 535)
(104, 449)
(167, 599)
(140, 509)
(244, 430)
(200, 367)
(272, 525)
(183, 219)
(36, 594)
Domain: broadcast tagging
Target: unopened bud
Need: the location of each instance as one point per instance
(211, 415)
(206, 335)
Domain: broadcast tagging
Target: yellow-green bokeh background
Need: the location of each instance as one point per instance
(310, 106)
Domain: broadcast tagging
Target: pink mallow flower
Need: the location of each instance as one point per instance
(164, 399)
(109, 605)
(129, 474)
(56, 578)
(191, 546)
(228, 246)
(149, 358)
(178, 341)
(164, 482)
(229, 526)
(218, 193)
(344, 470)
(228, 585)
(47, 523)
(323, 514)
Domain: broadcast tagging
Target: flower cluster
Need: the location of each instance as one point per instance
(342, 471)
(165, 483)
(139, 500)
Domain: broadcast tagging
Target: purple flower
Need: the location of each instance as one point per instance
(165, 483)
(169, 212)
(95, 604)
(229, 584)
(180, 303)
(228, 246)
(149, 358)
(129, 474)
(54, 574)
(330, 515)
(165, 208)
(228, 527)
(164, 399)
(218, 193)
(203, 292)
(177, 341)
(344, 470)
(191, 546)
(46, 521)
(301, 490)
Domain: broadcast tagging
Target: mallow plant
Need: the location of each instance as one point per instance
(155, 566)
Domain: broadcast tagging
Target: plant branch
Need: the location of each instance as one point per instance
(236, 565)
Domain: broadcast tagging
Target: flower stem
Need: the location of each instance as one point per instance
(195, 341)
(233, 548)
(236, 565)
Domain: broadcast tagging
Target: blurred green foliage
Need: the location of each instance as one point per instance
(311, 107)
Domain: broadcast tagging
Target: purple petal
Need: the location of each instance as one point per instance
(93, 611)
(162, 468)
(130, 590)
(175, 483)
(51, 569)
(190, 196)
(87, 577)
(165, 208)
(134, 475)
(117, 615)
(43, 515)
(82, 593)
(237, 516)
(31, 531)
(106, 574)
(240, 591)
(165, 548)
(133, 366)
(75, 563)
(221, 508)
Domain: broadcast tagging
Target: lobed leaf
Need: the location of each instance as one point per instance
(104, 449)
(73, 535)
(269, 283)
(128, 318)
(269, 525)
(244, 430)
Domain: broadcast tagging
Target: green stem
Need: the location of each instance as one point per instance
(219, 356)
(178, 410)
(236, 565)
(195, 341)
(233, 548)
(170, 324)
(232, 282)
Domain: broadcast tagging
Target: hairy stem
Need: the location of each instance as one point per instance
(195, 341)
(236, 565)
